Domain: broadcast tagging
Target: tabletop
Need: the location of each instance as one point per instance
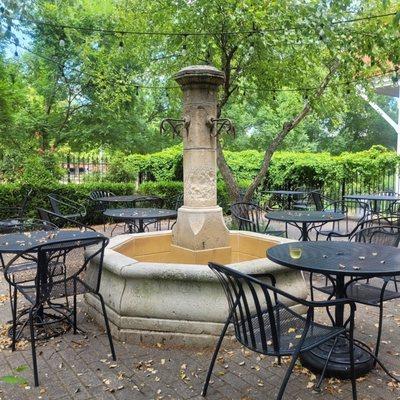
(120, 199)
(20, 242)
(287, 192)
(140, 213)
(377, 196)
(339, 258)
(305, 216)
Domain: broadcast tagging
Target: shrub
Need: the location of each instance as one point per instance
(12, 195)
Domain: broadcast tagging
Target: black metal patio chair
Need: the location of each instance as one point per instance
(48, 286)
(375, 293)
(331, 234)
(324, 203)
(362, 290)
(66, 207)
(26, 268)
(178, 203)
(150, 201)
(100, 206)
(251, 217)
(61, 220)
(264, 324)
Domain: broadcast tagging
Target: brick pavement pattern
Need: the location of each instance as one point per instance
(80, 367)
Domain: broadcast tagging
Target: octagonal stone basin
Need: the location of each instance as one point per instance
(156, 292)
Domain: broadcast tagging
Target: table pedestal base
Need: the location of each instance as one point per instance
(339, 362)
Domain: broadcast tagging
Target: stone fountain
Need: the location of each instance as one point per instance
(157, 286)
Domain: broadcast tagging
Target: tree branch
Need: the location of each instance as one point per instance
(288, 127)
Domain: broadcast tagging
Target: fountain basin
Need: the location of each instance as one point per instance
(157, 292)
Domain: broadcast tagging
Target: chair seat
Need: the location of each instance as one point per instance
(290, 326)
(59, 290)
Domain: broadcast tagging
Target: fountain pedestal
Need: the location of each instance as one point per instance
(200, 224)
(156, 285)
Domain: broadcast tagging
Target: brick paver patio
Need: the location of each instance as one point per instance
(78, 367)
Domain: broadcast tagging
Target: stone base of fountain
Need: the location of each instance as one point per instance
(157, 292)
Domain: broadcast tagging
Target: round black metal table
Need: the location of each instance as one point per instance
(302, 219)
(374, 198)
(339, 260)
(131, 215)
(22, 242)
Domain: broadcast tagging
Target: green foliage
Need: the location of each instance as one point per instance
(15, 379)
(169, 191)
(288, 168)
(12, 195)
(27, 167)
(165, 165)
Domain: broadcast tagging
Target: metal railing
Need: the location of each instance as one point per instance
(78, 169)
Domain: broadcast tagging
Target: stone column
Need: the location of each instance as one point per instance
(200, 224)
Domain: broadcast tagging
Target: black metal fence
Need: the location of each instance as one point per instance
(78, 169)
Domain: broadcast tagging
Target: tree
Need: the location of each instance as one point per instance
(264, 48)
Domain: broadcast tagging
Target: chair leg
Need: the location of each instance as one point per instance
(14, 318)
(107, 326)
(214, 357)
(33, 347)
(378, 338)
(289, 371)
(74, 306)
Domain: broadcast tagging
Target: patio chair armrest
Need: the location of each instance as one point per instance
(265, 275)
(74, 222)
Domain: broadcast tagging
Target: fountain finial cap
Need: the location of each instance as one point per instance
(206, 74)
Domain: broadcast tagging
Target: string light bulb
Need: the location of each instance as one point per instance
(184, 45)
(62, 42)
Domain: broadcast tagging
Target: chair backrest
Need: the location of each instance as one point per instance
(25, 203)
(385, 235)
(178, 201)
(318, 200)
(96, 194)
(64, 206)
(251, 308)
(60, 220)
(247, 215)
(74, 256)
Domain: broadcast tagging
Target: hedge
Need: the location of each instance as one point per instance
(287, 169)
(13, 194)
